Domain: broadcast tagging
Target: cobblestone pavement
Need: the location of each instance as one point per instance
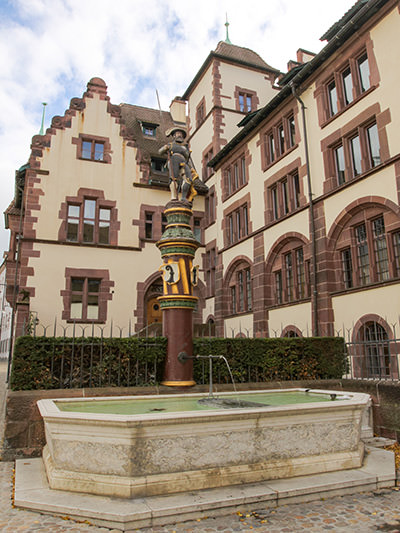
(358, 513)
(377, 511)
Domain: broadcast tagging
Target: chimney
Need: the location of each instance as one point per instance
(177, 109)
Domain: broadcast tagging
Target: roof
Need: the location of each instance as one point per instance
(134, 116)
(234, 54)
(329, 34)
(365, 10)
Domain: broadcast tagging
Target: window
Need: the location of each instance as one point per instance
(92, 150)
(85, 298)
(159, 165)
(210, 266)
(366, 251)
(396, 252)
(235, 176)
(241, 290)
(357, 153)
(340, 164)
(380, 249)
(278, 140)
(373, 145)
(85, 295)
(347, 86)
(200, 113)
(210, 206)
(237, 225)
(149, 129)
(278, 287)
(88, 222)
(292, 131)
(332, 98)
(207, 171)
(148, 226)
(245, 102)
(284, 196)
(356, 157)
(375, 344)
(296, 190)
(291, 276)
(363, 72)
(347, 267)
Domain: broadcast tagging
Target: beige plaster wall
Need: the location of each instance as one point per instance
(234, 75)
(203, 88)
(382, 183)
(382, 301)
(239, 324)
(67, 173)
(294, 315)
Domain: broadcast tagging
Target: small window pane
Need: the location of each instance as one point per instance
(285, 197)
(292, 131)
(296, 188)
(104, 233)
(76, 309)
(332, 93)
(90, 209)
(363, 69)
(98, 151)
(347, 86)
(88, 231)
(73, 211)
(340, 164)
(77, 284)
(356, 155)
(93, 307)
(241, 102)
(72, 230)
(105, 214)
(281, 135)
(373, 144)
(86, 150)
(93, 285)
(271, 148)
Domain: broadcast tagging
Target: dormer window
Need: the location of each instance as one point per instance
(149, 129)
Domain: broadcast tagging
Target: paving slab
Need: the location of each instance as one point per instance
(32, 492)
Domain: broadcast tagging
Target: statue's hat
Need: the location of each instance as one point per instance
(172, 130)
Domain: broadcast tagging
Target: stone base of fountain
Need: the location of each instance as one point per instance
(164, 453)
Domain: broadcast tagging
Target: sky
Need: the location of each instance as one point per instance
(50, 49)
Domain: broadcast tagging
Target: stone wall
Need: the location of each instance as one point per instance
(24, 430)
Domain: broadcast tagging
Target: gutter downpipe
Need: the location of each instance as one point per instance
(312, 216)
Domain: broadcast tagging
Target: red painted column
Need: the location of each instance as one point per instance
(178, 247)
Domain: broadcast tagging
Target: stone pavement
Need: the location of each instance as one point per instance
(367, 512)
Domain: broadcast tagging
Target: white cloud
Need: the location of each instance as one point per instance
(51, 48)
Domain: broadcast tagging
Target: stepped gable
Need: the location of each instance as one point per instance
(242, 55)
(134, 116)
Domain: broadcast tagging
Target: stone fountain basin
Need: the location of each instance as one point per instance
(163, 453)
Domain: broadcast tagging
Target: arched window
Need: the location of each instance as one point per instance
(376, 350)
(239, 285)
(289, 271)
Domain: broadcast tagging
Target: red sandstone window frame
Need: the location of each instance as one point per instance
(359, 69)
(210, 206)
(235, 175)
(356, 163)
(240, 289)
(284, 196)
(103, 294)
(237, 227)
(246, 100)
(200, 112)
(278, 140)
(93, 140)
(374, 259)
(291, 276)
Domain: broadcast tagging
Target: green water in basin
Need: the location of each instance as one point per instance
(138, 406)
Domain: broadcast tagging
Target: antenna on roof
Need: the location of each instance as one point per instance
(227, 40)
(41, 131)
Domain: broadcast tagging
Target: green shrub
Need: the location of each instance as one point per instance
(63, 362)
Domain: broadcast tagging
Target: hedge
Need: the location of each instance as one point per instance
(52, 363)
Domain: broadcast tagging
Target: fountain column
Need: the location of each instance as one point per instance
(178, 247)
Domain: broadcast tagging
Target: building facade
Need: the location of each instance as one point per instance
(300, 227)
